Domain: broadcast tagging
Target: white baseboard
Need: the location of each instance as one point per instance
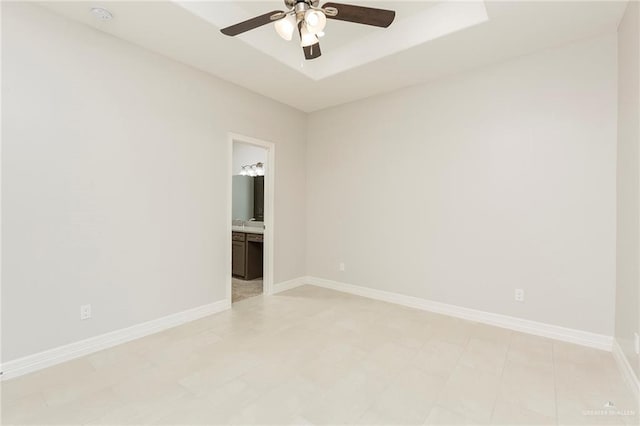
(626, 370)
(68, 352)
(288, 285)
(584, 338)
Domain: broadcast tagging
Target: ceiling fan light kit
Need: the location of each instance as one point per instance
(285, 27)
(311, 21)
(307, 38)
(315, 21)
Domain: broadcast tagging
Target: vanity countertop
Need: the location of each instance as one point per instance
(247, 229)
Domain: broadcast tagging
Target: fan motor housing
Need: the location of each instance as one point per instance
(292, 3)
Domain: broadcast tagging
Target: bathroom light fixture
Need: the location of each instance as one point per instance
(252, 170)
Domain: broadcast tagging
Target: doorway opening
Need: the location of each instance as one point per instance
(251, 218)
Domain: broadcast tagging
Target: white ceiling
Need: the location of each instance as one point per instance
(348, 45)
(428, 40)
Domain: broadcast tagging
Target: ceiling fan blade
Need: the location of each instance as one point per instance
(250, 24)
(312, 52)
(362, 15)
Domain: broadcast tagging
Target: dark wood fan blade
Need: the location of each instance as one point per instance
(312, 52)
(362, 15)
(249, 24)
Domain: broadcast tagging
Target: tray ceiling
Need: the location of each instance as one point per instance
(428, 40)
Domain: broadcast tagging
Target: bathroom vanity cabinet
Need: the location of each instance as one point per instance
(246, 255)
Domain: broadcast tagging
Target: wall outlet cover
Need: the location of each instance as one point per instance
(85, 312)
(341, 267)
(519, 295)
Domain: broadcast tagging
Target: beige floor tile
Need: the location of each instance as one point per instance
(631, 418)
(281, 405)
(264, 377)
(574, 362)
(586, 380)
(496, 335)
(410, 397)
(347, 399)
(82, 410)
(19, 410)
(528, 389)
(530, 350)
(192, 411)
(589, 407)
(68, 372)
(509, 414)
(485, 355)
(438, 357)
(219, 406)
(578, 416)
(389, 358)
(471, 392)
(316, 356)
(67, 392)
(219, 372)
(452, 330)
(443, 416)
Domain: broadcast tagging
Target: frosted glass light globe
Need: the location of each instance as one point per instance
(285, 26)
(315, 20)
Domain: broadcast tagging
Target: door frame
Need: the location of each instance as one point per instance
(269, 201)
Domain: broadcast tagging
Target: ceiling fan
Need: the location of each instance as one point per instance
(310, 19)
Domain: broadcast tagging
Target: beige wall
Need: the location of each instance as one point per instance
(246, 154)
(628, 200)
(114, 174)
(462, 190)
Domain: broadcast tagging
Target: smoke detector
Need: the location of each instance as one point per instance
(101, 13)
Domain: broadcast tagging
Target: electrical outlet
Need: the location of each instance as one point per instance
(519, 295)
(636, 343)
(85, 312)
(341, 267)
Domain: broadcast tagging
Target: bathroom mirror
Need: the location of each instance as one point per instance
(248, 198)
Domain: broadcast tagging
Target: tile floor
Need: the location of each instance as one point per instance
(315, 356)
(241, 289)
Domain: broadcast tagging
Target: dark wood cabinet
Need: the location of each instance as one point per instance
(258, 198)
(254, 256)
(238, 249)
(246, 255)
